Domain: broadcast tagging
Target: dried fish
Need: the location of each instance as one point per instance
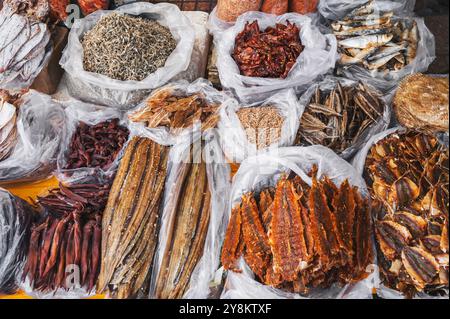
(339, 118)
(317, 235)
(131, 219)
(408, 176)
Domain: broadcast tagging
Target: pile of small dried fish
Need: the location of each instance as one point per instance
(67, 238)
(96, 145)
(270, 53)
(131, 219)
(376, 41)
(177, 111)
(8, 130)
(408, 174)
(124, 47)
(262, 125)
(24, 41)
(340, 118)
(296, 237)
(421, 102)
(187, 229)
(15, 222)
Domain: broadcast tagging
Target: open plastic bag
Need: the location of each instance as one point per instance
(327, 85)
(317, 58)
(15, 222)
(265, 170)
(358, 163)
(162, 135)
(100, 89)
(40, 125)
(90, 114)
(218, 175)
(233, 136)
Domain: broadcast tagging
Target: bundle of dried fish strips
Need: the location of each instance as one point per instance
(24, 42)
(341, 117)
(64, 247)
(376, 40)
(421, 102)
(186, 230)
(15, 223)
(131, 219)
(408, 174)
(176, 110)
(8, 129)
(295, 237)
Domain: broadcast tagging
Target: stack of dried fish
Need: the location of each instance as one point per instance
(96, 145)
(24, 41)
(131, 219)
(15, 221)
(296, 237)
(177, 111)
(408, 174)
(186, 232)
(376, 40)
(421, 102)
(340, 118)
(8, 130)
(67, 238)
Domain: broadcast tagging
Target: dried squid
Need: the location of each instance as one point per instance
(408, 176)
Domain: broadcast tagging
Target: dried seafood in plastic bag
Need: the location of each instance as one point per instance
(421, 102)
(15, 222)
(8, 128)
(67, 239)
(131, 219)
(341, 116)
(186, 231)
(298, 237)
(408, 174)
(270, 53)
(230, 10)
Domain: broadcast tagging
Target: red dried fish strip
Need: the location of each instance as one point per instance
(233, 245)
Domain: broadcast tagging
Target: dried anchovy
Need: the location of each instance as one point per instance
(315, 236)
(96, 145)
(131, 219)
(408, 175)
(268, 54)
(177, 111)
(15, 223)
(340, 118)
(187, 231)
(67, 235)
(126, 48)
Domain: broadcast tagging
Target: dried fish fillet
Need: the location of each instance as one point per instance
(131, 219)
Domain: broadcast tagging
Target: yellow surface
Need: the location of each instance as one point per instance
(30, 192)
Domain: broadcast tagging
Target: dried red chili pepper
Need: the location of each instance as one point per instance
(268, 54)
(89, 6)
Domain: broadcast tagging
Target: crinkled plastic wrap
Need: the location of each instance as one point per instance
(15, 222)
(100, 89)
(90, 114)
(218, 175)
(317, 58)
(233, 137)
(265, 170)
(162, 135)
(40, 124)
(382, 123)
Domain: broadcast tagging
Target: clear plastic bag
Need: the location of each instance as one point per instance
(233, 136)
(327, 85)
(317, 58)
(40, 124)
(90, 114)
(15, 223)
(218, 175)
(265, 170)
(162, 135)
(100, 89)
